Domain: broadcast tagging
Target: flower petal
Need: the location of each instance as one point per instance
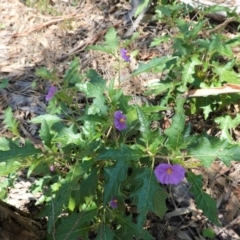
(124, 55)
(113, 203)
(51, 92)
(120, 120)
(168, 174)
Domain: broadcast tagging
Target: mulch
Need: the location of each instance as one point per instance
(31, 39)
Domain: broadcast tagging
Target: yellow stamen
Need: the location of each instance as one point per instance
(122, 120)
(169, 171)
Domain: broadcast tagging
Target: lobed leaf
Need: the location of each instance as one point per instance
(203, 200)
(145, 194)
(209, 149)
(115, 175)
(175, 131)
(74, 226)
(62, 197)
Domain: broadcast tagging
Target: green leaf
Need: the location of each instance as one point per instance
(175, 131)
(144, 125)
(105, 49)
(128, 228)
(95, 91)
(105, 233)
(18, 153)
(66, 135)
(111, 43)
(141, 7)
(4, 144)
(203, 200)
(155, 65)
(122, 153)
(88, 185)
(160, 207)
(50, 119)
(189, 70)
(45, 134)
(16, 158)
(112, 39)
(159, 88)
(96, 79)
(62, 197)
(74, 226)
(216, 45)
(9, 167)
(10, 122)
(209, 149)
(208, 233)
(45, 74)
(115, 175)
(159, 40)
(72, 74)
(145, 194)
(226, 75)
(4, 83)
(227, 124)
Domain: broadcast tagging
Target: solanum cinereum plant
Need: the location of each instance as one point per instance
(101, 159)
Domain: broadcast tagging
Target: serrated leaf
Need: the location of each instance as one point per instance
(72, 75)
(155, 65)
(67, 135)
(63, 195)
(227, 124)
(50, 119)
(189, 70)
(128, 228)
(9, 167)
(203, 200)
(210, 149)
(18, 153)
(74, 226)
(145, 194)
(114, 175)
(226, 75)
(88, 185)
(159, 40)
(16, 157)
(45, 73)
(175, 131)
(95, 91)
(122, 153)
(105, 49)
(216, 45)
(112, 39)
(10, 122)
(160, 88)
(105, 233)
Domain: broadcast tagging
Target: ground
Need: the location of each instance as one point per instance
(32, 37)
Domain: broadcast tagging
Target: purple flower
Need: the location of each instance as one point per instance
(120, 120)
(124, 55)
(113, 203)
(168, 174)
(51, 92)
(51, 168)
